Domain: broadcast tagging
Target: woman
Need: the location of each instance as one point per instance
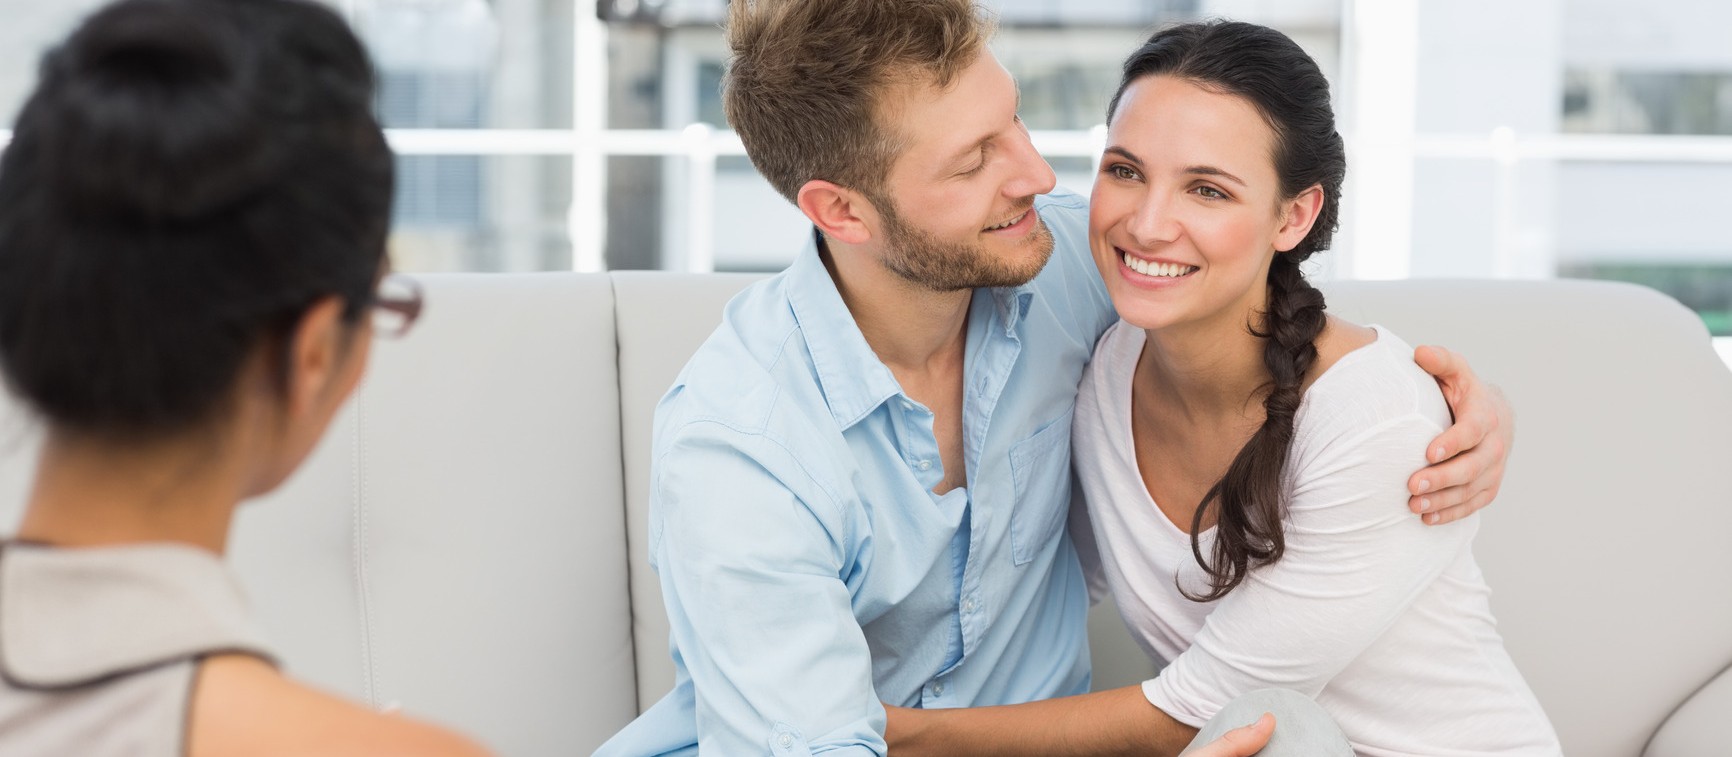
(1245, 454)
(193, 215)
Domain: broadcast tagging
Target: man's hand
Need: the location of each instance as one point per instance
(1467, 461)
(1239, 742)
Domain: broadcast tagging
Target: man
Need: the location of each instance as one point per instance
(861, 479)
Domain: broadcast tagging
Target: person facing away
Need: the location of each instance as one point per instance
(1241, 450)
(193, 213)
(861, 479)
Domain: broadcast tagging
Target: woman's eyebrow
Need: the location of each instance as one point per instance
(1194, 170)
(1213, 171)
(1123, 153)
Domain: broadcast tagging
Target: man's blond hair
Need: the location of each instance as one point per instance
(808, 79)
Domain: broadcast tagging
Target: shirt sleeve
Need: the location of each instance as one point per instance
(750, 553)
(1356, 558)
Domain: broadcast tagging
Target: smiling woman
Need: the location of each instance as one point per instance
(1245, 455)
(1243, 452)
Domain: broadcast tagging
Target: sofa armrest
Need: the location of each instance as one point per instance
(1699, 727)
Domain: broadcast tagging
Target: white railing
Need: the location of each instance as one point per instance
(1061, 144)
(701, 145)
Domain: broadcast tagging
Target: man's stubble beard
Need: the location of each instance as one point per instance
(921, 259)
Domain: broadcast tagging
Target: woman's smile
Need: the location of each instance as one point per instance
(1152, 273)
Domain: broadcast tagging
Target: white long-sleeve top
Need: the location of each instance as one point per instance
(1384, 620)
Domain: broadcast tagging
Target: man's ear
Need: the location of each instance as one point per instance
(1297, 217)
(840, 213)
(315, 355)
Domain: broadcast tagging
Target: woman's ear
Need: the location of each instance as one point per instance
(316, 356)
(1297, 217)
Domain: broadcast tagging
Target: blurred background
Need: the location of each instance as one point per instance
(1545, 138)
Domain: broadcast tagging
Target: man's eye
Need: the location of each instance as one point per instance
(978, 167)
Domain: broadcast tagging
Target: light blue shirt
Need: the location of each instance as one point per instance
(808, 569)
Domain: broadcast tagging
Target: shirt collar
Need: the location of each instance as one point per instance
(854, 381)
(1012, 305)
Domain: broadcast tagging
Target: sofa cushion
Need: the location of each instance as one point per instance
(1605, 550)
(1698, 728)
(663, 317)
(454, 546)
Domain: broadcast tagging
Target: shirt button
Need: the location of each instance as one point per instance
(938, 688)
(926, 465)
(786, 740)
(968, 605)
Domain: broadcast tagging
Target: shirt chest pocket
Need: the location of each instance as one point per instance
(1040, 475)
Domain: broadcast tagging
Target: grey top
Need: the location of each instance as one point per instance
(99, 646)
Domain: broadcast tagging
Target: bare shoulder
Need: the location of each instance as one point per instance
(241, 705)
(1339, 337)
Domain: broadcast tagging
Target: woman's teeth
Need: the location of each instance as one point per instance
(1162, 270)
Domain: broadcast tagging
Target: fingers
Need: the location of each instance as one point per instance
(1454, 513)
(1459, 486)
(1462, 469)
(1467, 459)
(1466, 434)
(1441, 363)
(1454, 377)
(1239, 742)
(1461, 388)
(1477, 431)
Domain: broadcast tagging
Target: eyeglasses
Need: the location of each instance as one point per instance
(396, 305)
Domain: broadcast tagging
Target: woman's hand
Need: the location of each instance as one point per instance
(1467, 461)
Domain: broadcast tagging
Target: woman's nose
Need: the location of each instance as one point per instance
(1153, 222)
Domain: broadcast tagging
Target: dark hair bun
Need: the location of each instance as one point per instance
(187, 177)
(160, 100)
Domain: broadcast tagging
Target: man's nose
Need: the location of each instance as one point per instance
(1033, 175)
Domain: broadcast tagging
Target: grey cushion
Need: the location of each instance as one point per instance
(1698, 728)
(455, 544)
(458, 544)
(1606, 549)
(454, 547)
(663, 317)
(1609, 519)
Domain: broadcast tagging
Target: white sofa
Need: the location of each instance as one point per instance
(468, 541)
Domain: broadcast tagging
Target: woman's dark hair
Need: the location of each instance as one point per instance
(187, 178)
(1270, 71)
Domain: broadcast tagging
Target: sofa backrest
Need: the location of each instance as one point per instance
(457, 544)
(1605, 549)
(663, 317)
